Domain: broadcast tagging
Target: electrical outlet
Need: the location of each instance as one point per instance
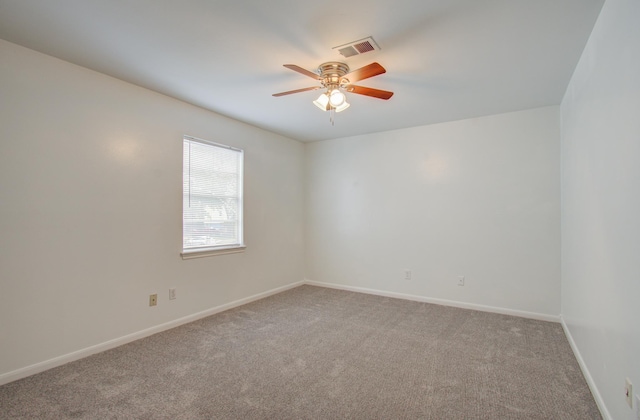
(628, 391)
(172, 294)
(407, 274)
(460, 280)
(153, 299)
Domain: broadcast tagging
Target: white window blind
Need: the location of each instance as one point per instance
(211, 196)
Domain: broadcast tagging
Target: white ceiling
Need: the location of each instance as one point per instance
(446, 59)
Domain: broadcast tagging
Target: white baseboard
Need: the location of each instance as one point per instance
(76, 355)
(585, 371)
(79, 354)
(88, 351)
(444, 302)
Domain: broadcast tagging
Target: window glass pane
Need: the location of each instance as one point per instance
(212, 195)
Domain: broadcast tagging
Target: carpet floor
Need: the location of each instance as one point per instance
(318, 353)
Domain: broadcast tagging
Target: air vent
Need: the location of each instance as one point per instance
(358, 47)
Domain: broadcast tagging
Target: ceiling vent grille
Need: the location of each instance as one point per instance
(358, 47)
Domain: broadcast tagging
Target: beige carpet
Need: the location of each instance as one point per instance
(317, 353)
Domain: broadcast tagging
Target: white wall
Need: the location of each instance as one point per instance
(601, 205)
(91, 210)
(477, 197)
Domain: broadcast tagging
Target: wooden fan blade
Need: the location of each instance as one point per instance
(297, 91)
(302, 71)
(365, 72)
(376, 93)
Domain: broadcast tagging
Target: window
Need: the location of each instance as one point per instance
(211, 199)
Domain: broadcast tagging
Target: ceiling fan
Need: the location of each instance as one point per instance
(336, 77)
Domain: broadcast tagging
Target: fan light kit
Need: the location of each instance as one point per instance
(336, 78)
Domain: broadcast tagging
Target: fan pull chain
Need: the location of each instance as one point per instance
(331, 116)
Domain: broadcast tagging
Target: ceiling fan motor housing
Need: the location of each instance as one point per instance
(332, 74)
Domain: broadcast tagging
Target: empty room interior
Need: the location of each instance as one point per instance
(417, 209)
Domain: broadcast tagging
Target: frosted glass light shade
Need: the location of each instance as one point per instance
(322, 102)
(342, 107)
(336, 98)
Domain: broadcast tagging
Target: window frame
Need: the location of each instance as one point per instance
(206, 251)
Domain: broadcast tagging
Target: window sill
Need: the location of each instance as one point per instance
(210, 252)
